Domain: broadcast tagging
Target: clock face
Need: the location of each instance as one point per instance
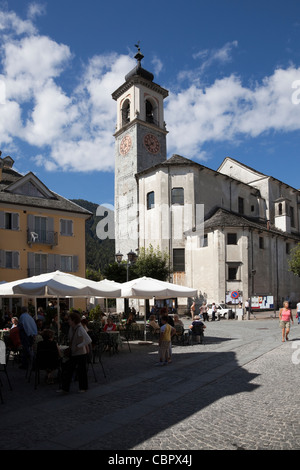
(125, 145)
(151, 143)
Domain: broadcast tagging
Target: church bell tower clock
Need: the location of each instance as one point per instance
(140, 143)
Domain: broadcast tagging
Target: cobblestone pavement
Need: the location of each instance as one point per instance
(239, 390)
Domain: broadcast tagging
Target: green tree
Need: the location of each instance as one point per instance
(294, 260)
(116, 272)
(152, 263)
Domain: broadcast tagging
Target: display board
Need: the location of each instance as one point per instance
(262, 302)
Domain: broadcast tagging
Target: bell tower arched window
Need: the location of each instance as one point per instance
(151, 110)
(126, 112)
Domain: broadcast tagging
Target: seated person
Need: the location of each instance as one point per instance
(177, 321)
(14, 336)
(48, 355)
(153, 323)
(110, 325)
(130, 319)
(196, 329)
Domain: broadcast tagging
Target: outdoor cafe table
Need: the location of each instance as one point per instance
(112, 339)
(4, 332)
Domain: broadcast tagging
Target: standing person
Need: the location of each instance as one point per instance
(28, 331)
(298, 312)
(213, 311)
(166, 333)
(79, 349)
(247, 308)
(203, 311)
(193, 308)
(285, 318)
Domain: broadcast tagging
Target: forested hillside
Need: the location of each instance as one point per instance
(99, 253)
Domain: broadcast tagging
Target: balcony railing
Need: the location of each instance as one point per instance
(43, 237)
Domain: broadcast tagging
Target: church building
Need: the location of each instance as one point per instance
(225, 231)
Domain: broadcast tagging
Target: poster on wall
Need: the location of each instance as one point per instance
(262, 302)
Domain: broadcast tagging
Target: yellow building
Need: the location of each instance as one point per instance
(40, 231)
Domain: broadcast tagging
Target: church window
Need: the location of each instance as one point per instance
(150, 200)
(149, 112)
(292, 217)
(280, 208)
(178, 196)
(178, 259)
(261, 243)
(126, 112)
(241, 205)
(231, 239)
(232, 273)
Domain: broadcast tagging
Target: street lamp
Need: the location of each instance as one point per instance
(131, 259)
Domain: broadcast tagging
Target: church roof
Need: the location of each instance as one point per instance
(221, 218)
(138, 69)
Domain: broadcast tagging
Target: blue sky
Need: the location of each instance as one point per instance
(232, 68)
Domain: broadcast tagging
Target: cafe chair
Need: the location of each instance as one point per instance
(4, 356)
(41, 362)
(90, 363)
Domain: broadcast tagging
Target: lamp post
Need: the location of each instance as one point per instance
(131, 259)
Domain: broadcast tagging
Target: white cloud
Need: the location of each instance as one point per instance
(73, 130)
(227, 110)
(35, 9)
(10, 22)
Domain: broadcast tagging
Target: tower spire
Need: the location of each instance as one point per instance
(139, 56)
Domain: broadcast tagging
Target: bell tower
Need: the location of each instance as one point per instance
(140, 143)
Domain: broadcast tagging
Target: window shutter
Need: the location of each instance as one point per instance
(30, 222)
(15, 221)
(75, 263)
(2, 258)
(50, 230)
(30, 264)
(15, 260)
(53, 262)
(2, 219)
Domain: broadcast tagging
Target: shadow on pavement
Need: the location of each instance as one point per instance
(146, 400)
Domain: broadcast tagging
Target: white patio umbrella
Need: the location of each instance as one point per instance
(58, 284)
(113, 286)
(147, 288)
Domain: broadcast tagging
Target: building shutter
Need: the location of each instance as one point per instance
(30, 264)
(2, 259)
(2, 219)
(50, 230)
(75, 263)
(15, 221)
(15, 260)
